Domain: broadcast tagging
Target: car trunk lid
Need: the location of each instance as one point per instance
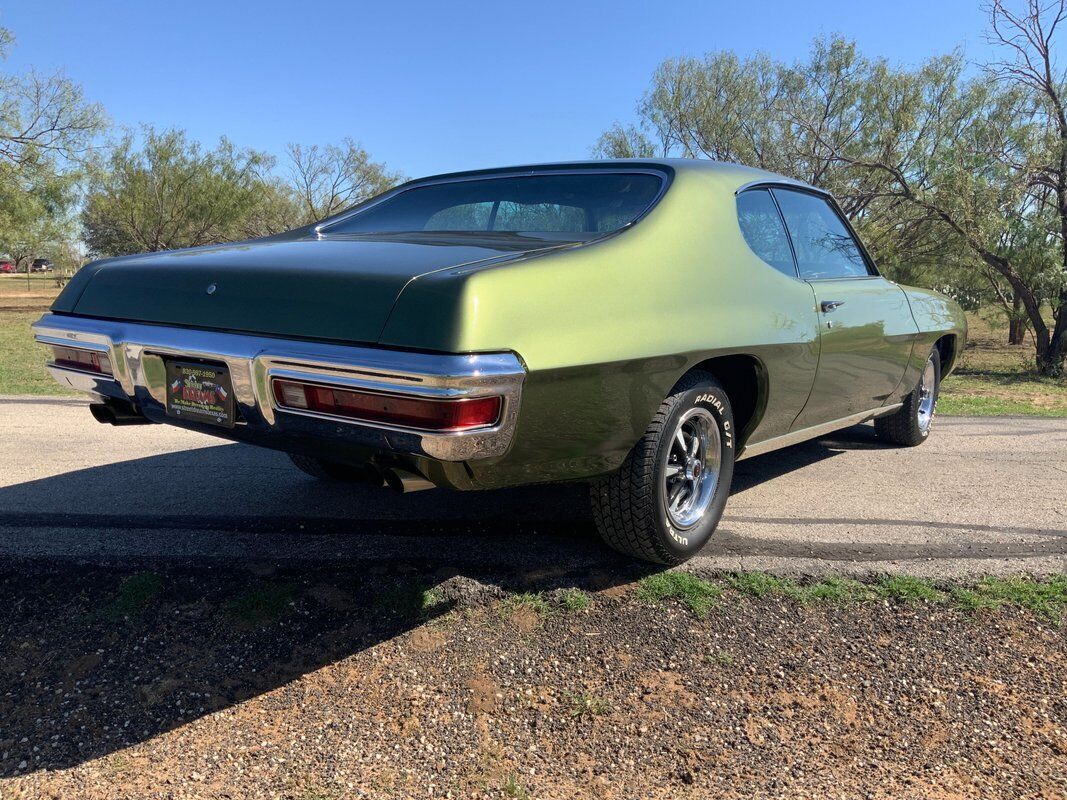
(336, 288)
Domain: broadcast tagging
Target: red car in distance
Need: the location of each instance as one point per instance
(6, 266)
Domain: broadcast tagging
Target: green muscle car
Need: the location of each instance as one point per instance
(637, 324)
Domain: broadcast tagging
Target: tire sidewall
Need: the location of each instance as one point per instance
(682, 544)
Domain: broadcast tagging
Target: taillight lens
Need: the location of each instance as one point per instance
(408, 412)
(85, 360)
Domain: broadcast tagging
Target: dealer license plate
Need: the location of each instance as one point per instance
(200, 393)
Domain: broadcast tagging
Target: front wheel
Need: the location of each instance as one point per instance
(910, 424)
(666, 500)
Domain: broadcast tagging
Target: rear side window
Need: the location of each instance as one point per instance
(469, 216)
(548, 217)
(824, 246)
(762, 227)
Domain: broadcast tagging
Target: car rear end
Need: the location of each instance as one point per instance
(423, 412)
(287, 342)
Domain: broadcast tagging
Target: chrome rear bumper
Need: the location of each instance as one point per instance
(137, 354)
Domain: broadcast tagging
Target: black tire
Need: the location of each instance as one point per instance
(903, 427)
(630, 506)
(331, 470)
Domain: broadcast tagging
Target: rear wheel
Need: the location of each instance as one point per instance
(666, 500)
(331, 470)
(910, 424)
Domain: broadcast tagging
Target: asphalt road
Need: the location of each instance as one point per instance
(982, 496)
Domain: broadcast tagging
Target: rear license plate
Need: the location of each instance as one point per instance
(200, 393)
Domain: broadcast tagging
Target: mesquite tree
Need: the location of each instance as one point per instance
(1030, 66)
(47, 128)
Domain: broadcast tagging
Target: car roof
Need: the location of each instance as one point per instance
(737, 173)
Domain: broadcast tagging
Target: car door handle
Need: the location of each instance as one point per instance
(829, 305)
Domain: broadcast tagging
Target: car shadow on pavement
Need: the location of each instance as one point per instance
(141, 595)
(752, 472)
(236, 502)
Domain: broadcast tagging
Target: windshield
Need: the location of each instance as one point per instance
(578, 205)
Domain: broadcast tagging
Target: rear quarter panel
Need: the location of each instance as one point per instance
(605, 330)
(935, 316)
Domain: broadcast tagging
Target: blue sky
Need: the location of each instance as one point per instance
(436, 86)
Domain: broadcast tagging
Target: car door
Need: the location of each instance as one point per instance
(866, 330)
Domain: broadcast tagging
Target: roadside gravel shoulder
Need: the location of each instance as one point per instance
(300, 683)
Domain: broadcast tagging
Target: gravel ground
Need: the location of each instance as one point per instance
(409, 681)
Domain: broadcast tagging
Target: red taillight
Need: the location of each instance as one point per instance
(407, 412)
(85, 360)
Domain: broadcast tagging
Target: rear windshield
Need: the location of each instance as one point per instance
(576, 205)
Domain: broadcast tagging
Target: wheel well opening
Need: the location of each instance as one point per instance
(744, 379)
(946, 351)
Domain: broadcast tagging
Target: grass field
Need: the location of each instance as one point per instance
(21, 359)
(997, 379)
(993, 378)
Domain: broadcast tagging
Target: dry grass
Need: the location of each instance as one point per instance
(18, 294)
(38, 286)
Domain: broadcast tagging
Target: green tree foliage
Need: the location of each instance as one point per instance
(955, 181)
(625, 142)
(35, 200)
(276, 210)
(46, 128)
(162, 191)
(169, 193)
(43, 116)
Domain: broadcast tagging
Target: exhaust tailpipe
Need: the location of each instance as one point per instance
(400, 480)
(118, 414)
(102, 413)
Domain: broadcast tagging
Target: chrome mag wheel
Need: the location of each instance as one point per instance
(693, 465)
(927, 396)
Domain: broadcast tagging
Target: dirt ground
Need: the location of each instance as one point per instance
(396, 682)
